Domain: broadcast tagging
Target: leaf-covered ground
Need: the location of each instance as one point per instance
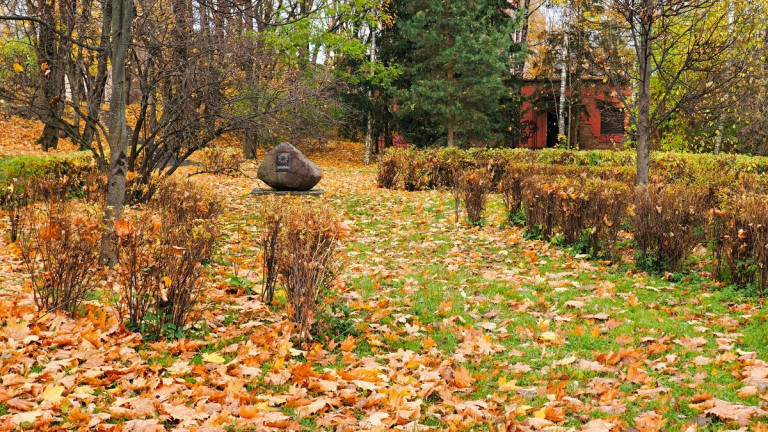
(437, 326)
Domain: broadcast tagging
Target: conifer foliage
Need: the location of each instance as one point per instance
(455, 58)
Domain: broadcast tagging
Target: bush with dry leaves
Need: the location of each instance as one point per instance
(59, 247)
(668, 222)
(739, 234)
(472, 188)
(162, 249)
(301, 244)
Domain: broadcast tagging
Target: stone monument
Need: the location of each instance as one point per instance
(286, 169)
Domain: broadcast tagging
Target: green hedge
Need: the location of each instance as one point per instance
(27, 179)
(411, 169)
(20, 172)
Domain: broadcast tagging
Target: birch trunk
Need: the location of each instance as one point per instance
(721, 117)
(563, 88)
(369, 131)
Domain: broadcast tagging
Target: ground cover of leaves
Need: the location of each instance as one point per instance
(437, 326)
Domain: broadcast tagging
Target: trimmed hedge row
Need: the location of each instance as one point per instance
(27, 179)
(20, 172)
(588, 212)
(585, 198)
(412, 170)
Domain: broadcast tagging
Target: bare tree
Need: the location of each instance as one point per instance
(669, 38)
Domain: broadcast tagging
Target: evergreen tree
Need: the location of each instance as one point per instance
(455, 58)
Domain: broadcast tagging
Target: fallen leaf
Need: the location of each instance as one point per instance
(213, 358)
(53, 394)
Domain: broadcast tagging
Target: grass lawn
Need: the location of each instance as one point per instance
(436, 325)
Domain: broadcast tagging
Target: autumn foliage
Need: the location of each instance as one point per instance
(300, 247)
(162, 250)
(472, 189)
(668, 222)
(501, 332)
(59, 247)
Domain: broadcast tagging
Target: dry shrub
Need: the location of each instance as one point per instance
(21, 192)
(161, 254)
(301, 242)
(14, 202)
(441, 172)
(609, 201)
(59, 247)
(540, 200)
(472, 189)
(592, 211)
(571, 211)
(387, 174)
(410, 171)
(310, 261)
(511, 189)
(183, 247)
(180, 202)
(740, 236)
(272, 245)
(667, 224)
(221, 160)
(139, 274)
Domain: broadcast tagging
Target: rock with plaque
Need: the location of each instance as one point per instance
(285, 168)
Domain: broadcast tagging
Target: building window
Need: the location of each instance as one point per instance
(611, 120)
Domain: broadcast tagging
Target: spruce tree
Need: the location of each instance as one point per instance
(455, 59)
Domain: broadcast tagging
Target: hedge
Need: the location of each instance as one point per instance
(411, 169)
(20, 171)
(27, 179)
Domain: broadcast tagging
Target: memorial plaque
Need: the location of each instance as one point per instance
(285, 168)
(283, 162)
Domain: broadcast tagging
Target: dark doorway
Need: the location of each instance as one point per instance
(551, 129)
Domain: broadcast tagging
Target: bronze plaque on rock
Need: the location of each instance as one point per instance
(283, 162)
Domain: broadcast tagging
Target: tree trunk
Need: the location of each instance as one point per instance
(521, 37)
(122, 14)
(369, 131)
(644, 105)
(719, 137)
(721, 117)
(98, 85)
(450, 116)
(51, 75)
(563, 84)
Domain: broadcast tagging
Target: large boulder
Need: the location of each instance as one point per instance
(285, 168)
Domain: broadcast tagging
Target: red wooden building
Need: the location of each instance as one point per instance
(601, 118)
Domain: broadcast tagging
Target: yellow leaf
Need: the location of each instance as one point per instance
(18, 68)
(542, 413)
(213, 358)
(507, 386)
(44, 67)
(523, 410)
(53, 394)
(167, 281)
(548, 336)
